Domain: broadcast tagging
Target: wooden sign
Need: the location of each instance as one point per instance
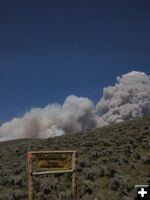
(53, 164)
(50, 162)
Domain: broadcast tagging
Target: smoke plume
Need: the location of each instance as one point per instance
(76, 114)
(129, 98)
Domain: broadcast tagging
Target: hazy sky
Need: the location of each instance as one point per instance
(50, 49)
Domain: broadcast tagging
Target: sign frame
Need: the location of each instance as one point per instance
(31, 173)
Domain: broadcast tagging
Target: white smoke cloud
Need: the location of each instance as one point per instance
(129, 98)
(76, 114)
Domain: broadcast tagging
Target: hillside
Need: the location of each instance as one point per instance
(110, 161)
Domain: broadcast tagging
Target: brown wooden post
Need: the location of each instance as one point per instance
(74, 176)
(30, 189)
(31, 173)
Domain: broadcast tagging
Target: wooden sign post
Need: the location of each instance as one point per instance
(30, 181)
(56, 164)
(74, 175)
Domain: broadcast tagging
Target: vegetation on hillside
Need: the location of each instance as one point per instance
(110, 161)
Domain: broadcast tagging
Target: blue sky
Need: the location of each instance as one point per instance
(51, 49)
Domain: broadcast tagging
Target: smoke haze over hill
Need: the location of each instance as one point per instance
(129, 98)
